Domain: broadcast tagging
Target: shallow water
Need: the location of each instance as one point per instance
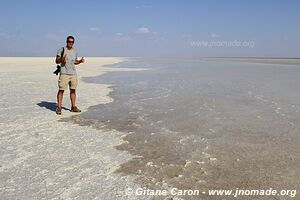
(195, 124)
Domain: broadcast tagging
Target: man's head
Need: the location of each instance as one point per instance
(70, 41)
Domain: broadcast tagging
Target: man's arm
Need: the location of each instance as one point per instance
(82, 60)
(59, 59)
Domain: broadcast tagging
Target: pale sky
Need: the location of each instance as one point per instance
(151, 28)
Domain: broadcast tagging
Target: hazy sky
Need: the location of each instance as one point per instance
(151, 28)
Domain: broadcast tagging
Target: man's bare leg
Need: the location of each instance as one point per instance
(60, 95)
(73, 97)
(73, 101)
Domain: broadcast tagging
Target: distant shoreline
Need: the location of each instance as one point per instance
(186, 57)
(262, 60)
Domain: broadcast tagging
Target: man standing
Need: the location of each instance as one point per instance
(67, 58)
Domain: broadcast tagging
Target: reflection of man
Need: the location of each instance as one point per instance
(68, 75)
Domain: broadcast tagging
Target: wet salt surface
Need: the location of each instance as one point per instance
(205, 124)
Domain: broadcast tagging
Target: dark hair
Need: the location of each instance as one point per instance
(70, 37)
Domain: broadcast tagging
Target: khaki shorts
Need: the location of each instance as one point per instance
(66, 80)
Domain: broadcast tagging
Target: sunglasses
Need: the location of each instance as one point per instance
(70, 42)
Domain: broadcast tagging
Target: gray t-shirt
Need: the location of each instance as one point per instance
(68, 67)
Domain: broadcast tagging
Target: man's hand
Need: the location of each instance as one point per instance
(60, 60)
(64, 58)
(82, 60)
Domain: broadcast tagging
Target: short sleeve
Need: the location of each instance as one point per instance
(59, 51)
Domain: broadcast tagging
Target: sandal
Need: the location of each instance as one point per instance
(58, 110)
(75, 109)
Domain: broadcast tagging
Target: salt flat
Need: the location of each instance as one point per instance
(44, 158)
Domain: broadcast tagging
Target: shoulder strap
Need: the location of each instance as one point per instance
(63, 51)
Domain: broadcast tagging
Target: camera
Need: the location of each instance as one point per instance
(57, 70)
